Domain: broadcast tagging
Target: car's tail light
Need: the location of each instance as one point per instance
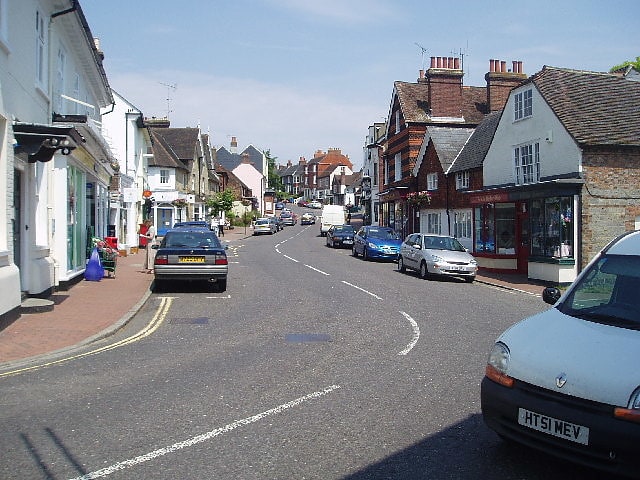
(161, 260)
(221, 260)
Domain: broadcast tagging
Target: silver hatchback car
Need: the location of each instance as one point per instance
(437, 255)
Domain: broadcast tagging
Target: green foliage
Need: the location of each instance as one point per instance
(275, 182)
(221, 202)
(635, 65)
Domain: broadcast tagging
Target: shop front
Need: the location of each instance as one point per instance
(528, 231)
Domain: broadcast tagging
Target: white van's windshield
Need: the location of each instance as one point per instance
(608, 293)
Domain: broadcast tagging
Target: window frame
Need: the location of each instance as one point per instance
(526, 163)
(432, 182)
(462, 180)
(523, 104)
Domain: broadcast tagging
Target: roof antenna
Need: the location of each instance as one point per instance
(423, 51)
(169, 88)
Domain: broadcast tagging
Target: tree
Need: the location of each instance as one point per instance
(275, 182)
(221, 202)
(635, 65)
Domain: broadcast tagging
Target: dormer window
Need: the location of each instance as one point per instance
(523, 104)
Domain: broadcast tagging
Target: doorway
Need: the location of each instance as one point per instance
(17, 222)
(523, 238)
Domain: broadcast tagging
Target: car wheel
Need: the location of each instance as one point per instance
(424, 271)
(469, 279)
(222, 284)
(401, 266)
(354, 252)
(365, 255)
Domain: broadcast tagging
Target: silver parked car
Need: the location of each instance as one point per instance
(436, 255)
(265, 225)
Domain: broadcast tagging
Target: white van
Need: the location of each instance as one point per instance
(331, 215)
(567, 381)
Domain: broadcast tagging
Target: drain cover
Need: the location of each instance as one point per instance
(190, 321)
(307, 337)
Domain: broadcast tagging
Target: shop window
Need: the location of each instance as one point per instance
(552, 227)
(433, 223)
(495, 228)
(484, 229)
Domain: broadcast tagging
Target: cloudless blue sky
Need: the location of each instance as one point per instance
(295, 76)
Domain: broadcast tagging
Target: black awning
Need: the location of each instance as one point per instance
(40, 142)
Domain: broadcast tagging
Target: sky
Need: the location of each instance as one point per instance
(297, 76)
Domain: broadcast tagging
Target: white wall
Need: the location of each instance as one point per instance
(558, 156)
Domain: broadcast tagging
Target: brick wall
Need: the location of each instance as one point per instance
(610, 197)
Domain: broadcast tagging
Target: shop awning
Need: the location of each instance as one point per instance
(40, 142)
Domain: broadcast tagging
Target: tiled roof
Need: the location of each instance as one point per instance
(182, 141)
(413, 98)
(163, 155)
(447, 142)
(595, 108)
(476, 148)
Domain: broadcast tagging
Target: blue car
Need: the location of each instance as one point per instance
(373, 242)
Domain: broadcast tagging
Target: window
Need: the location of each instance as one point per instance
(462, 225)
(397, 121)
(41, 43)
(527, 163)
(432, 181)
(59, 81)
(164, 176)
(398, 167)
(433, 223)
(523, 104)
(552, 227)
(462, 180)
(375, 173)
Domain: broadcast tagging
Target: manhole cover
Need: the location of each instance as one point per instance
(307, 337)
(190, 321)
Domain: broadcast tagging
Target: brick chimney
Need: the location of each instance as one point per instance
(302, 161)
(444, 79)
(234, 145)
(500, 81)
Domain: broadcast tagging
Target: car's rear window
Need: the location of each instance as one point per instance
(203, 239)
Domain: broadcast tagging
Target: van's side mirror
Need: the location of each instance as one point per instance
(551, 295)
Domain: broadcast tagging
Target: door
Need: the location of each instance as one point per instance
(523, 237)
(165, 220)
(17, 221)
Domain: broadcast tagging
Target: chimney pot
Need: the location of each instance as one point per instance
(433, 62)
(456, 63)
(503, 66)
(421, 73)
(514, 66)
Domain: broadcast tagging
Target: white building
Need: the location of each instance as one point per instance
(55, 167)
(124, 128)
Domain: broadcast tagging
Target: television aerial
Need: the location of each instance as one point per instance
(169, 88)
(423, 51)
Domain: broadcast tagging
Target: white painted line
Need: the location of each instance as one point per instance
(226, 296)
(416, 334)
(362, 290)
(290, 258)
(103, 472)
(319, 271)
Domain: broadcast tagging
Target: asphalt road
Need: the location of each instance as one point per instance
(313, 364)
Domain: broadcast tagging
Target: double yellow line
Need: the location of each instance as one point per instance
(156, 321)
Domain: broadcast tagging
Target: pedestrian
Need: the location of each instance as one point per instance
(150, 253)
(349, 218)
(221, 228)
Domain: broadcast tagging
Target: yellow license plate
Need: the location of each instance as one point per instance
(191, 260)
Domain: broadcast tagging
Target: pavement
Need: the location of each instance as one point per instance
(92, 310)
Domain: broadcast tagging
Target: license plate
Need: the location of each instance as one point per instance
(190, 259)
(554, 426)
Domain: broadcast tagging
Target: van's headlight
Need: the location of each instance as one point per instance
(632, 412)
(498, 363)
